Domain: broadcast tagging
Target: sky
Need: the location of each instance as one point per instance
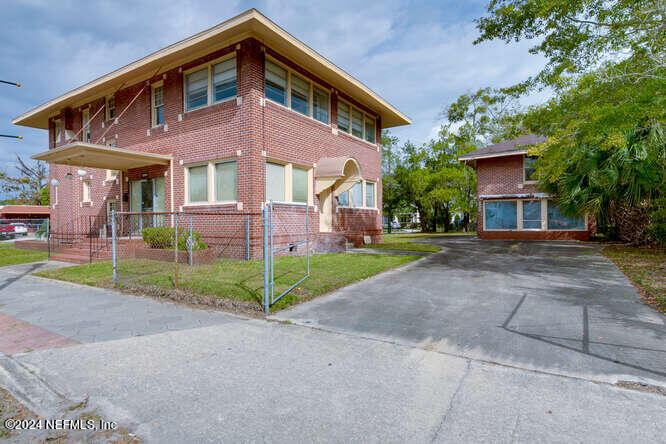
(418, 55)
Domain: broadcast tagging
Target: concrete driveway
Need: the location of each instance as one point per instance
(557, 307)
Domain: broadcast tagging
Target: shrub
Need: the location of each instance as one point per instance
(162, 238)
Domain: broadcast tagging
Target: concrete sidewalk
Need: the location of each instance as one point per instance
(251, 380)
(86, 314)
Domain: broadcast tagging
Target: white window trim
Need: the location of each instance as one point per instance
(363, 207)
(288, 182)
(153, 113)
(55, 189)
(210, 182)
(208, 66)
(365, 116)
(525, 181)
(312, 83)
(519, 217)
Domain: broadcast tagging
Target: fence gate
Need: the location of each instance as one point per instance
(286, 230)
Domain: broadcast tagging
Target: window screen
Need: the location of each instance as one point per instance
(299, 185)
(558, 221)
(357, 123)
(501, 215)
(225, 181)
(300, 95)
(224, 80)
(275, 182)
(276, 83)
(198, 184)
(343, 117)
(370, 195)
(357, 194)
(531, 214)
(320, 105)
(197, 89)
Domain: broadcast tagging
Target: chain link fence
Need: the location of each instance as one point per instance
(223, 255)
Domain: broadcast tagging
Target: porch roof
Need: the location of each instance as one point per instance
(100, 156)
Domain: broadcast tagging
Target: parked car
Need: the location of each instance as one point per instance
(7, 231)
(20, 228)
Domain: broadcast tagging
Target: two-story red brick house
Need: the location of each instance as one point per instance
(508, 204)
(235, 116)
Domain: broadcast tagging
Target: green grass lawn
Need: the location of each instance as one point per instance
(405, 242)
(646, 268)
(12, 256)
(239, 280)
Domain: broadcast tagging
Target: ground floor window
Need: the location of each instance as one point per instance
(524, 214)
(286, 182)
(501, 215)
(531, 214)
(558, 221)
(214, 182)
(361, 195)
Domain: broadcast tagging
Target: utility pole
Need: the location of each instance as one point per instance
(18, 85)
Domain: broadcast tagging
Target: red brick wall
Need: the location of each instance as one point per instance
(217, 132)
(502, 176)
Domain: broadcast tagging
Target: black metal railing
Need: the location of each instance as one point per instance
(91, 232)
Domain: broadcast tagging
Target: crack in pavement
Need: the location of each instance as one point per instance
(451, 401)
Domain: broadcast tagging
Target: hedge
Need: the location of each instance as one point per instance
(162, 238)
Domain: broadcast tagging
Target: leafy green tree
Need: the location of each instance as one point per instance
(25, 186)
(391, 196)
(576, 36)
(45, 196)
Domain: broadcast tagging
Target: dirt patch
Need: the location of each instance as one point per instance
(192, 299)
(646, 269)
(12, 409)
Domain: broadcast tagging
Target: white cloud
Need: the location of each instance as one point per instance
(419, 58)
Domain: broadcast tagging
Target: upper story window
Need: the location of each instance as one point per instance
(224, 80)
(210, 84)
(110, 108)
(85, 121)
(355, 122)
(56, 131)
(294, 91)
(276, 83)
(529, 169)
(157, 113)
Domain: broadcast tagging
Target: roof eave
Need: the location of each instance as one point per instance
(251, 23)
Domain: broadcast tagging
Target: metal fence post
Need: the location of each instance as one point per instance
(247, 237)
(175, 252)
(307, 237)
(113, 246)
(270, 226)
(264, 212)
(48, 237)
(191, 243)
